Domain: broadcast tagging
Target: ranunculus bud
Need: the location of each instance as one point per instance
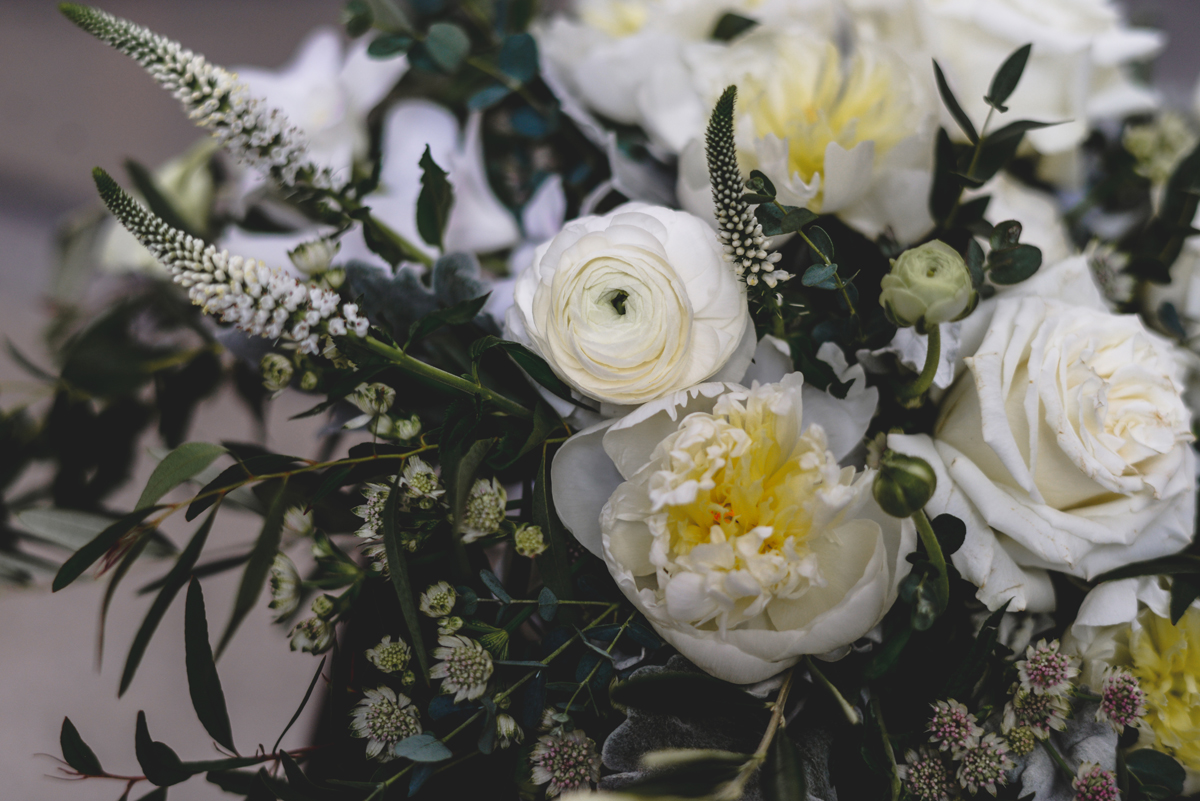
(904, 484)
(928, 285)
(315, 256)
(276, 371)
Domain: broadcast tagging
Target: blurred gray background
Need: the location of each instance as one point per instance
(67, 104)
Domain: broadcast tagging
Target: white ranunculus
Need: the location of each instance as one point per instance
(634, 305)
(724, 515)
(1065, 445)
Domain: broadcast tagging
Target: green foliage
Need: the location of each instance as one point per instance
(782, 776)
(434, 201)
(254, 577)
(730, 26)
(952, 104)
(76, 752)
(1154, 775)
(423, 748)
(401, 583)
(204, 685)
(685, 695)
(1006, 78)
(448, 46)
(103, 542)
(178, 466)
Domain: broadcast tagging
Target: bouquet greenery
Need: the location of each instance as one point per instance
(705, 420)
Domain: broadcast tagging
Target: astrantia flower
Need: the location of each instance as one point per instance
(953, 728)
(284, 583)
(1122, 702)
(508, 731)
(388, 656)
(1094, 783)
(1045, 669)
(420, 483)
(465, 667)
(983, 765)
(529, 541)
(485, 509)
(438, 600)
(567, 761)
(925, 775)
(371, 512)
(1041, 713)
(384, 717)
(373, 400)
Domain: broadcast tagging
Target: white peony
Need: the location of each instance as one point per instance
(633, 305)
(724, 515)
(1065, 445)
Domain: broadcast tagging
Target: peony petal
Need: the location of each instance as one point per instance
(848, 174)
(632, 439)
(772, 361)
(845, 420)
(582, 477)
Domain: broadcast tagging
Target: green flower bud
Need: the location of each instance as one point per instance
(449, 625)
(928, 285)
(904, 484)
(529, 541)
(314, 257)
(322, 606)
(406, 428)
(276, 371)
(309, 381)
(373, 398)
(334, 278)
(408, 679)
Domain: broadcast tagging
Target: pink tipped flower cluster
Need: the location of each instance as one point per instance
(1122, 702)
(953, 728)
(984, 765)
(1094, 783)
(565, 761)
(925, 775)
(1045, 669)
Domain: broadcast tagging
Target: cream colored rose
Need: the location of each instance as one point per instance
(1065, 446)
(732, 525)
(634, 305)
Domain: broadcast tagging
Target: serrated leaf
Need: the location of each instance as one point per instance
(776, 222)
(423, 748)
(684, 695)
(101, 544)
(434, 201)
(401, 583)
(262, 556)
(547, 604)
(1006, 78)
(1013, 265)
(493, 584)
(950, 532)
(178, 466)
(204, 685)
(448, 46)
(76, 752)
(952, 104)
(173, 583)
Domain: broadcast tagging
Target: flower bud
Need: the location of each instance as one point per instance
(314, 257)
(408, 679)
(284, 583)
(508, 731)
(323, 606)
(373, 398)
(313, 635)
(529, 541)
(449, 625)
(276, 371)
(904, 484)
(309, 381)
(382, 427)
(485, 509)
(928, 285)
(406, 428)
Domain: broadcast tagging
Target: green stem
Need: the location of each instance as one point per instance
(735, 787)
(924, 381)
(1058, 759)
(841, 287)
(448, 380)
(847, 709)
(887, 748)
(979, 145)
(933, 550)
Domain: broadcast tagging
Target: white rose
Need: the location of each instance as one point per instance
(724, 516)
(634, 305)
(1065, 446)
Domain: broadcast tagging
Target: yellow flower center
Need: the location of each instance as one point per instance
(1166, 661)
(617, 18)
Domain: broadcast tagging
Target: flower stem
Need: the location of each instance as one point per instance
(430, 373)
(734, 788)
(847, 709)
(894, 778)
(924, 381)
(933, 550)
(1058, 759)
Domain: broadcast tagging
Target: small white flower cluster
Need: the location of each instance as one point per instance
(258, 299)
(257, 135)
(740, 233)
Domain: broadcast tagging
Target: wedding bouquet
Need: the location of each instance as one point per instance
(719, 403)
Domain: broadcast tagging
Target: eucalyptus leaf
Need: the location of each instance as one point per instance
(730, 26)
(952, 104)
(423, 748)
(1005, 234)
(459, 314)
(76, 752)
(356, 18)
(490, 581)
(782, 776)
(776, 222)
(946, 188)
(518, 57)
(488, 96)
(820, 275)
(1014, 264)
(547, 604)
(975, 261)
(101, 544)
(161, 766)
(389, 45)
(66, 528)
(204, 685)
(303, 703)
(383, 240)
(527, 360)
(1184, 591)
(950, 532)
(821, 245)
(1006, 78)
(553, 563)
(262, 556)
(1154, 768)
(448, 46)
(181, 464)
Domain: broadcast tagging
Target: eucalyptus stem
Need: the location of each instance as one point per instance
(837, 278)
(448, 380)
(848, 710)
(921, 384)
(979, 144)
(933, 549)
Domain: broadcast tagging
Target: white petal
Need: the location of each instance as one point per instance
(582, 477)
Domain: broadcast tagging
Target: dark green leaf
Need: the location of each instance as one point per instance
(1168, 317)
(782, 778)
(760, 184)
(457, 314)
(448, 45)
(1154, 768)
(26, 364)
(1005, 234)
(731, 25)
(1017, 129)
(488, 735)
(434, 202)
(553, 563)
(994, 155)
(383, 241)
(234, 476)
(161, 765)
(1184, 590)
(885, 658)
(972, 211)
(527, 360)
(975, 262)
(493, 584)
(155, 795)
(700, 777)
(103, 542)
(488, 96)
(296, 778)
(519, 57)
(420, 775)
(357, 18)
(204, 685)
(262, 556)
(956, 110)
(970, 669)
(173, 583)
(1013, 265)
(389, 45)
(821, 245)
(177, 467)
(820, 275)
(1006, 78)
(950, 532)
(547, 604)
(76, 752)
(156, 200)
(303, 703)
(1180, 564)
(398, 571)
(685, 695)
(947, 187)
(423, 748)
(786, 221)
(459, 477)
